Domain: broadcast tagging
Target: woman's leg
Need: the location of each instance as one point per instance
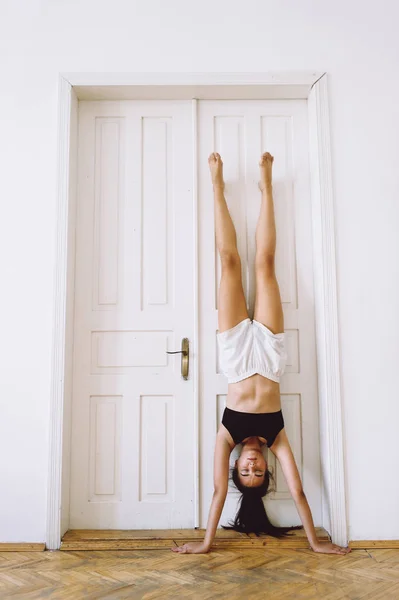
(268, 308)
(232, 307)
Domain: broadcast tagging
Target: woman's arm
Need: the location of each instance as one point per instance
(221, 481)
(282, 450)
(220, 484)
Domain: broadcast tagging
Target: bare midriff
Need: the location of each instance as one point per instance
(255, 394)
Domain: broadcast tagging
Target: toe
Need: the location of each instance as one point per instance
(266, 156)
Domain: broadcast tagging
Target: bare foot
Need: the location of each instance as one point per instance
(216, 168)
(266, 164)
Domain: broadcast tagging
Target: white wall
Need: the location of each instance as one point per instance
(356, 42)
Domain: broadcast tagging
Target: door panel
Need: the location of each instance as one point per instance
(241, 131)
(133, 413)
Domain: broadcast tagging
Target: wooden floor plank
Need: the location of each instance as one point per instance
(374, 544)
(21, 547)
(85, 539)
(116, 544)
(169, 534)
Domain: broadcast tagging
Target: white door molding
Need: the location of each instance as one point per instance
(312, 86)
(54, 491)
(326, 314)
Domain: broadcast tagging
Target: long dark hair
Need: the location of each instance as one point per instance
(251, 516)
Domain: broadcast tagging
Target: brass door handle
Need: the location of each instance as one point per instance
(184, 357)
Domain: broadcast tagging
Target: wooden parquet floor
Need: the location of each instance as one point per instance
(278, 573)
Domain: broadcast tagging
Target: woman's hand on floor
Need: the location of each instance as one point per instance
(329, 548)
(192, 548)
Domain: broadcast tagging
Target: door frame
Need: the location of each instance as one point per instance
(311, 86)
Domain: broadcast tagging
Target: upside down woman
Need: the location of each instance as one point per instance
(253, 358)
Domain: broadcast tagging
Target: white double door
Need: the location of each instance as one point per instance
(134, 423)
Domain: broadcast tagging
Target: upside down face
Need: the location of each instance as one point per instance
(251, 465)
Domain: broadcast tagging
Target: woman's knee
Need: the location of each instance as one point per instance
(265, 264)
(230, 259)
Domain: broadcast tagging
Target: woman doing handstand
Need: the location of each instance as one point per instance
(253, 358)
